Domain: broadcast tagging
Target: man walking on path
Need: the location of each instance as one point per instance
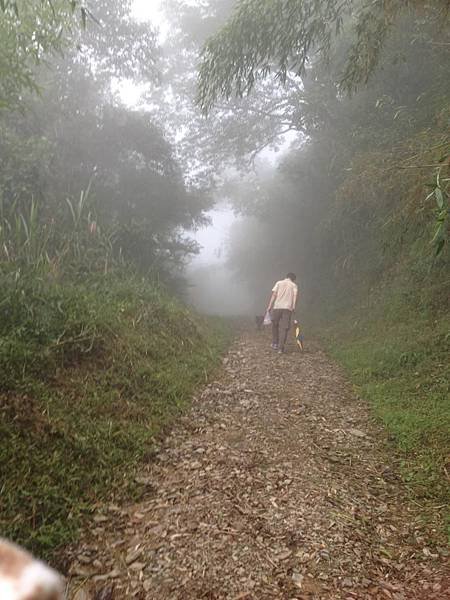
(281, 307)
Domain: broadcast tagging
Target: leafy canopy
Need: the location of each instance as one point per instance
(30, 30)
(284, 35)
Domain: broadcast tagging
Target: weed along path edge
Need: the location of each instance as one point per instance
(276, 484)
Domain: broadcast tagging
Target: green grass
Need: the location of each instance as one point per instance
(399, 362)
(94, 373)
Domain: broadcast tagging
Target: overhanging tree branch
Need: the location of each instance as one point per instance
(278, 36)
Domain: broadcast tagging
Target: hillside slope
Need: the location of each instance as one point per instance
(92, 371)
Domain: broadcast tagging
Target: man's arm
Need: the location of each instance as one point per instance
(272, 301)
(294, 302)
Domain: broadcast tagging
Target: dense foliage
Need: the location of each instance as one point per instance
(362, 196)
(30, 31)
(284, 35)
(75, 134)
(95, 355)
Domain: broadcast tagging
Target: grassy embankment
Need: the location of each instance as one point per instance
(397, 354)
(92, 370)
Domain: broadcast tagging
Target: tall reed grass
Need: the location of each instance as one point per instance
(46, 318)
(70, 240)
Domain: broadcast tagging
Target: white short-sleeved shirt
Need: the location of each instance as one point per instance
(286, 294)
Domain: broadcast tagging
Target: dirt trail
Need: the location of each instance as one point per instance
(274, 485)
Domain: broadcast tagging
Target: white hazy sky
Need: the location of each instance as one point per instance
(148, 10)
(142, 10)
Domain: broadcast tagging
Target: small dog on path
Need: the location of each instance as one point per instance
(298, 336)
(22, 577)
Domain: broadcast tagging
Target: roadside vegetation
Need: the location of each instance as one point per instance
(96, 360)
(397, 354)
(97, 351)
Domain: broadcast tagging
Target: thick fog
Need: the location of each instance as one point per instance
(214, 288)
(156, 118)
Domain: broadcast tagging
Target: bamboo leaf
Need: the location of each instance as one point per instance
(439, 197)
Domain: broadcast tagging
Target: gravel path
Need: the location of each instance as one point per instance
(276, 484)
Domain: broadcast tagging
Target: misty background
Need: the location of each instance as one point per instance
(220, 198)
(266, 152)
(214, 286)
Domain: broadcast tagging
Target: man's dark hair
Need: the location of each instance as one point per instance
(291, 276)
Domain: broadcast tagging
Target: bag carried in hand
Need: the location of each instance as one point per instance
(267, 319)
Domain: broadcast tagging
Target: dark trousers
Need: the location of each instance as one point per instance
(281, 322)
